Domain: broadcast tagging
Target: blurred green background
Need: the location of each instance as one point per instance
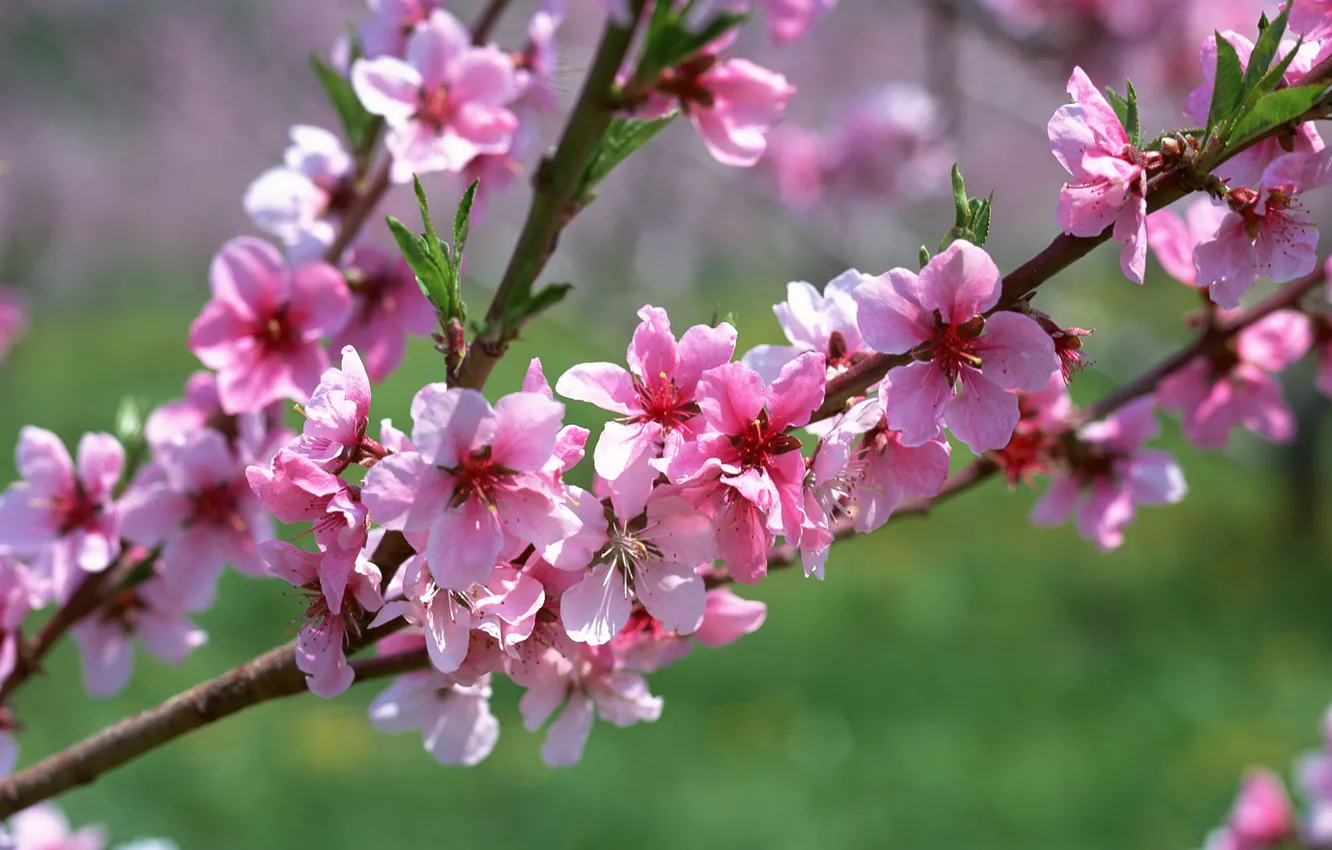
(963, 681)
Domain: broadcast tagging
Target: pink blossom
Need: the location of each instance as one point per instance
(18, 596)
(1312, 19)
(1247, 167)
(43, 827)
(13, 318)
(320, 642)
(891, 141)
(1262, 817)
(445, 104)
(1109, 175)
(540, 59)
(1234, 385)
(302, 202)
(296, 489)
(62, 513)
(733, 104)
(262, 329)
(939, 318)
(256, 435)
(654, 397)
(1265, 233)
(194, 502)
(1109, 474)
(790, 20)
(106, 639)
(392, 22)
(745, 470)
(472, 482)
(1174, 239)
(655, 564)
(337, 416)
(727, 618)
(386, 307)
(797, 157)
(577, 681)
(1045, 415)
(813, 321)
(453, 717)
(889, 470)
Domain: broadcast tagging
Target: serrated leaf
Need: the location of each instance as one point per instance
(1265, 49)
(1274, 109)
(980, 220)
(961, 207)
(1133, 126)
(462, 221)
(1228, 87)
(540, 301)
(622, 138)
(429, 276)
(1119, 104)
(357, 124)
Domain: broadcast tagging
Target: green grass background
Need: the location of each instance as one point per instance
(964, 681)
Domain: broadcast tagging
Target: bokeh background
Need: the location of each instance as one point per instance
(959, 681)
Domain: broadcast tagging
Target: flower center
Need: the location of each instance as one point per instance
(954, 346)
(217, 506)
(76, 510)
(663, 403)
(626, 550)
(436, 108)
(478, 476)
(760, 443)
(276, 333)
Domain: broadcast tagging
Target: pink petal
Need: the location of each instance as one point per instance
(727, 618)
(673, 594)
(731, 397)
(250, 277)
(448, 629)
(406, 493)
(435, 45)
(889, 312)
(597, 608)
(464, 545)
(981, 414)
(101, 463)
(1016, 354)
(1277, 341)
(702, 348)
(320, 301)
(961, 282)
(1102, 516)
(387, 86)
(567, 736)
(484, 76)
(44, 462)
(464, 732)
(797, 392)
(525, 431)
(1155, 478)
(913, 400)
(450, 424)
(605, 385)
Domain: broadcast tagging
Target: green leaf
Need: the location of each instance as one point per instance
(1121, 106)
(358, 124)
(924, 256)
(541, 300)
(429, 276)
(980, 219)
(462, 221)
(129, 421)
(1132, 126)
(1274, 109)
(671, 41)
(1228, 89)
(961, 208)
(622, 138)
(1265, 49)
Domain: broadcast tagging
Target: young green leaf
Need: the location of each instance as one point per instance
(358, 124)
(1265, 49)
(961, 208)
(924, 256)
(541, 300)
(429, 276)
(1274, 109)
(1228, 88)
(1133, 126)
(1120, 105)
(980, 219)
(462, 221)
(622, 138)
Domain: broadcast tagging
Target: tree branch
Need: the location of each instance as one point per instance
(555, 181)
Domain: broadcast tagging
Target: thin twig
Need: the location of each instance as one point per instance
(485, 22)
(368, 196)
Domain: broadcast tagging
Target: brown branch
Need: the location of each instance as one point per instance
(368, 195)
(555, 181)
(485, 22)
